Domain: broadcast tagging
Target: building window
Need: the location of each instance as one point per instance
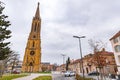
(115, 40)
(34, 36)
(31, 64)
(33, 44)
(35, 28)
(117, 48)
(119, 58)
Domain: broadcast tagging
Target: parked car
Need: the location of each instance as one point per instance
(113, 77)
(118, 77)
(16, 72)
(69, 73)
(72, 73)
(94, 73)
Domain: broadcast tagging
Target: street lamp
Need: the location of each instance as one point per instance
(80, 51)
(63, 59)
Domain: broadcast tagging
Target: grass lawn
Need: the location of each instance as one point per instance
(43, 78)
(12, 76)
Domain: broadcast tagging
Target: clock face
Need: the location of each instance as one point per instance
(32, 53)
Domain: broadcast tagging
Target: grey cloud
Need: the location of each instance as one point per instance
(90, 12)
(61, 19)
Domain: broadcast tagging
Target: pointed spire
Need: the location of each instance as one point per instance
(37, 15)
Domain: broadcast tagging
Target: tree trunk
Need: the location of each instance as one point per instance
(1, 67)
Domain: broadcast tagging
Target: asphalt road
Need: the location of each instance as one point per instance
(61, 77)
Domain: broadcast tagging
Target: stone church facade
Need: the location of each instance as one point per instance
(32, 56)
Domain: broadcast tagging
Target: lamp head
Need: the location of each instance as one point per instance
(79, 37)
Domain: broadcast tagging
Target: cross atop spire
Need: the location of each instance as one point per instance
(37, 15)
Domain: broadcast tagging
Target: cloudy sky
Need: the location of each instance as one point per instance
(61, 19)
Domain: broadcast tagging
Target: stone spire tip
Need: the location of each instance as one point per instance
(38, 3)
(37, 11)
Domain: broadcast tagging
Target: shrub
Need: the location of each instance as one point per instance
(78, 77)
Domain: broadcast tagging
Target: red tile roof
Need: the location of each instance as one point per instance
(115, 36)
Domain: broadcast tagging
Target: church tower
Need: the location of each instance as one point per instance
(32, 56)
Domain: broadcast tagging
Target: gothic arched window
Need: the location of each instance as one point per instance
(31, 64)
(33, 44)
(35, 27)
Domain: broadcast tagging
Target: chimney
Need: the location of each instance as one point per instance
(103, 49)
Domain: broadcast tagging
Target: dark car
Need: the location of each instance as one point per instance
(94, 73)
(16, 72)
(113, 76)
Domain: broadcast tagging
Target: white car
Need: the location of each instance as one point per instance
(72, 73)
(69, 73)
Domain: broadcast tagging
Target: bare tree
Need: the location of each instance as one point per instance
(12, 60)
(96, 46)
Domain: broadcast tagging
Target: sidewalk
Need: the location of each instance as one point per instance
(96, 77)
(31, 76)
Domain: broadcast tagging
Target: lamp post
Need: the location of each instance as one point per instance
(79, 37)
(63, 59)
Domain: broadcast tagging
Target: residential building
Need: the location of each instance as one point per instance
(101, 60)
(75, 66)
(92, 62)
(17, 67)
(61, 68)
(47, 67)
(115, 41)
